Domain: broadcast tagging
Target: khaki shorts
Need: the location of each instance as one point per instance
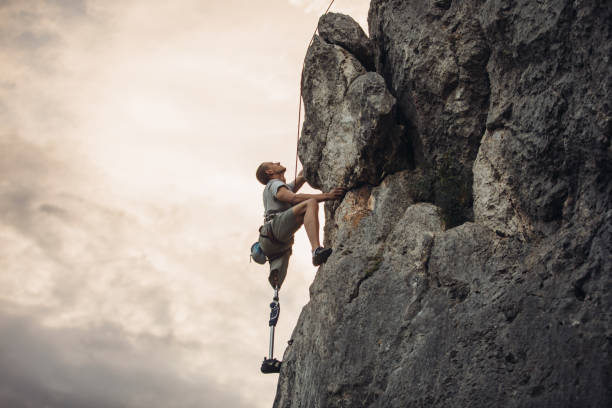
(282, 228)
(276, 236)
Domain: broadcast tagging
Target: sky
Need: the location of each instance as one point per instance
(130, 131)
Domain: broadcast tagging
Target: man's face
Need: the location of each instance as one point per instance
(275, 168)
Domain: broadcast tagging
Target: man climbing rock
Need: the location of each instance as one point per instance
(286, 211)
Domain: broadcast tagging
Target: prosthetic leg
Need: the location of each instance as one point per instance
(271, 365)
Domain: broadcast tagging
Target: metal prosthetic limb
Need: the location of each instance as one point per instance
(274, 315)
(270, 364)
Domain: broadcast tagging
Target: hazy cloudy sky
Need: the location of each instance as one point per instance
(129, 135)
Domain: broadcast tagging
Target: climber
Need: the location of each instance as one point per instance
(286, 211)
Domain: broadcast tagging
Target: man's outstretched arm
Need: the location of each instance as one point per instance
(284, 194)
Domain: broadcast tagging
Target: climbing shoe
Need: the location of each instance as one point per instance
(320, 255)
(270, 366)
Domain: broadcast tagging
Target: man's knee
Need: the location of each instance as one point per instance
(300, 209)
(309, 205)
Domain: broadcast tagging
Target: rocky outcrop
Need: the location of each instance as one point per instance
(329, 70)
(548, 126)
(342, 30)
(435, 62)
(350, 122)
(504, 303)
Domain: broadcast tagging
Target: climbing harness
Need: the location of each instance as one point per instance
(300, 104)
(271, 365)
(257, 253)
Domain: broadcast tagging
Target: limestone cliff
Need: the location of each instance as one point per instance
(472, 255)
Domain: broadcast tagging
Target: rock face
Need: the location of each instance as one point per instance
(342, 30)
(434, 57)
(350, 121)
(504, 303)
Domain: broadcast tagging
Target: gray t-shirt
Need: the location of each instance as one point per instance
(271, 204)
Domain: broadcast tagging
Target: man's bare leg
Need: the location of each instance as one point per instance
(307, 212)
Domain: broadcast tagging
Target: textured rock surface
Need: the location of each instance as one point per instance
(342, 30)
(513, 309)
(362, 131)
(328, 72)
(435, 61)
(550, 99)
(350, 133)
(495, 203)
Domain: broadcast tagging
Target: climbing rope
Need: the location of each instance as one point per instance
(300, 104)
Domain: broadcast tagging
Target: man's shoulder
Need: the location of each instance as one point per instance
(274, 185)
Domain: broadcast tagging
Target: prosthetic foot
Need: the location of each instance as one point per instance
(270, 366)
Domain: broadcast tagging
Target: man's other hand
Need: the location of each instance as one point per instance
(337, 193)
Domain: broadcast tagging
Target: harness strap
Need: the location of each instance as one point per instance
(269, 216)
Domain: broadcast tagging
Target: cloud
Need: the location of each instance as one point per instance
(146, 276)
(311, 5)
(29, 33)
(358, 10)
(97, 366)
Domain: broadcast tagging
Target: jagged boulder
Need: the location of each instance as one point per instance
(342, 30)
(362, 131)
(328, 72)
(350, 122)
(434, 56)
